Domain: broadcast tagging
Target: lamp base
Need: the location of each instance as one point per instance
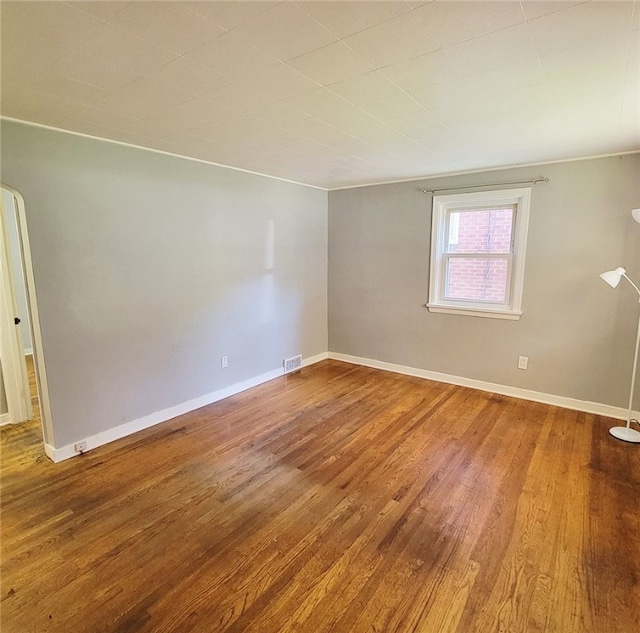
(623, 433)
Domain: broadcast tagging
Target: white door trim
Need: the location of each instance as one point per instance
(36, 334)
(14, 371)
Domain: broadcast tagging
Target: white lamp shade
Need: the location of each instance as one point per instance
(613, 277)
(636, 214)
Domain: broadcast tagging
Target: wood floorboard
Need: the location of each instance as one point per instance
(339, 499)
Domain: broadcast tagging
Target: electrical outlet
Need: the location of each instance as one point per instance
(523, 362)
(80, 447)
(224, 361)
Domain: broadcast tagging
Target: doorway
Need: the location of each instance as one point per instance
(23, 387)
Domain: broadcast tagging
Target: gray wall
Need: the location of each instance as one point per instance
(149, 268)
(577, 332)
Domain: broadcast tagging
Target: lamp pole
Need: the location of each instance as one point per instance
(626, 433)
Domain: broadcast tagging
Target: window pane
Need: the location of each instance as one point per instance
(477, 279)
(480, 231)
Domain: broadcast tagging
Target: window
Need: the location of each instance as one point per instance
(477, 253)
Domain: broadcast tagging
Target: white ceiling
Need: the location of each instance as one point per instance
(333, 93)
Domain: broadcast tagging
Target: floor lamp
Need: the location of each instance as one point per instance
(613, 277)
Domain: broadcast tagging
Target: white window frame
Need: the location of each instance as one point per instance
(443, 206)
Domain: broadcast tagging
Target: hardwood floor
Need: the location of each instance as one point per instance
(339, 499)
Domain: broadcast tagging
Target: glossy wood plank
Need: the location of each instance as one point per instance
(338, 499)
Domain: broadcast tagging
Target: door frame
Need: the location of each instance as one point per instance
(15, 378)
(34, 321)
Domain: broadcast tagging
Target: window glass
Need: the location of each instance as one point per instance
(481, 231)
(477, 279)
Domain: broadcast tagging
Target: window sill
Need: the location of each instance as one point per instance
(512, 315)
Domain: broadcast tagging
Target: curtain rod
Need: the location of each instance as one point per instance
(534, 181)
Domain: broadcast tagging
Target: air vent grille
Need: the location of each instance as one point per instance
(293, 363)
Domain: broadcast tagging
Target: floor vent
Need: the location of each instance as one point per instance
(293, 363)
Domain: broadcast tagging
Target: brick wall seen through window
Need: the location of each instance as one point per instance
(487, 231)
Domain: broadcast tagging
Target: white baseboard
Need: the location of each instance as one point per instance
(312, 360)
(515, 392)
(122, 430)
(28, 351)
(117, 432)
(50, 452)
